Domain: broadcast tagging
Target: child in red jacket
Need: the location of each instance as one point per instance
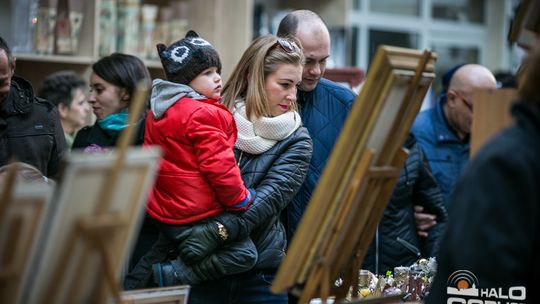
(198, 176)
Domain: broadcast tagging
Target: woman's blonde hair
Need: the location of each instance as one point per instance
(263, 57)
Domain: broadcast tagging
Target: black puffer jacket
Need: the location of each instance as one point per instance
(277, 174)
(396, 242)
(30, 130)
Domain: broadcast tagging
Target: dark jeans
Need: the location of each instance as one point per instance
(249, 287)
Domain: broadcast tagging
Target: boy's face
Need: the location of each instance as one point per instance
(208, 83)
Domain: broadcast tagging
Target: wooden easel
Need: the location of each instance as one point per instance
(100, 202)
(23, 207)
(352, 193)
(100, 229)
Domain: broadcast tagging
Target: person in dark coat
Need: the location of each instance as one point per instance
(273, 152)
(493, 237)
(396, 242)
(30, 128)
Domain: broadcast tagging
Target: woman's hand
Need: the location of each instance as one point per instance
(199, 241)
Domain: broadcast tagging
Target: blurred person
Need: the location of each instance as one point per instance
(30, 128)
(26, 172)
(494, 227)
(66, 90)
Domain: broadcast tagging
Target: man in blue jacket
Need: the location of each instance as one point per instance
(323, 104)
(444, 130)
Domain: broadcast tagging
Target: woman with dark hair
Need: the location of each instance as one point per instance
(112, 85)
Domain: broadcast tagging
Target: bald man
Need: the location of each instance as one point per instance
(444, 131)
(324, 105)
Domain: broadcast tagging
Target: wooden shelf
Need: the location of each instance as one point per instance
(214, 20)
(69, 59)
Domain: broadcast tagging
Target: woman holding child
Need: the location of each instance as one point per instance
(273, 151)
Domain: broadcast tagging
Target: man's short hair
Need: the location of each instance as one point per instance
(289, 24)
(60, 87)
(447, 77)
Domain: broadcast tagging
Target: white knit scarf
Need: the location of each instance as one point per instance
(262, 133)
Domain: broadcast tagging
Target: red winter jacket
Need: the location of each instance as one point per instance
(198, 176)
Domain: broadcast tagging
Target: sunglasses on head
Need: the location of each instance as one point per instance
(286, 45)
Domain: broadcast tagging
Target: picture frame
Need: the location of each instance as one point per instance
(162, 295)
(345, 208)
(491, 114)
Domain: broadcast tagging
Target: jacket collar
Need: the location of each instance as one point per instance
(441, 127)
(19, 99)
(304, 97)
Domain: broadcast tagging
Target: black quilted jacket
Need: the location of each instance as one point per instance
(276, 176)
(396, 242)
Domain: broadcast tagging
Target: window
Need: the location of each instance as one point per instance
(459, 10)
(394, 38)
(398, 7)
(450, 55)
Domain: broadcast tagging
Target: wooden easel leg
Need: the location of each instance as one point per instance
(311, 286)
(320, 279)
(350, 280)
(355, 269)
(325, 284)
(109, 269)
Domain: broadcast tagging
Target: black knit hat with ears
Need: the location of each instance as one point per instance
(187, 58)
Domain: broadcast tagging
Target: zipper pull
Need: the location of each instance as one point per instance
(409, 246)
